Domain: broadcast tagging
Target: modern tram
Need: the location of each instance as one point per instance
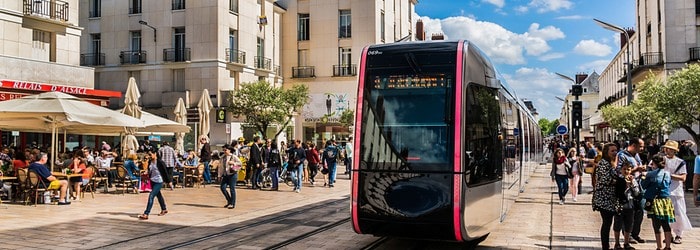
(443, 145)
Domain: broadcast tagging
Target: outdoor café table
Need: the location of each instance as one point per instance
(60, 175)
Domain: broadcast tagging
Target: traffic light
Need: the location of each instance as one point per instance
(576, 90)
(576, 114)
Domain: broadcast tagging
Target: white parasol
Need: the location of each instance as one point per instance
(204, 106)
(180, 118)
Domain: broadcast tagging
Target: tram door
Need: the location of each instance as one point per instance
(511, 133)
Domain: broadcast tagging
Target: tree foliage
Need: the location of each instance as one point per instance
(679, 99)
(548, 127)
(661, 106)
(263, 105)
(347, 118)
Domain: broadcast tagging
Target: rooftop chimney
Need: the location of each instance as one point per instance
(580, 77)
(623, 38)
(420, 33)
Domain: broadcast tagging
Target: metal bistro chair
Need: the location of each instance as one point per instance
(21, 187)
(199, 176)
(125, 180)
(90, 186)
(97, 178)
(37, 184)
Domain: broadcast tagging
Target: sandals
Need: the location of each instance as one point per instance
(143, 217)
(164, 212)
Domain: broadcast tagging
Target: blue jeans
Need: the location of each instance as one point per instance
(230, 181)
(331, 172)
(155, 192)
(256, 177)
(299, 173)
(207, 172)
(348, 164)
(562, 185)
(275, 177)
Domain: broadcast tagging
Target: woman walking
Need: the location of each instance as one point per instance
(576, 173)
(158, 175)
(604, 198)
(658, 204)
(228, 174)
(560, 173)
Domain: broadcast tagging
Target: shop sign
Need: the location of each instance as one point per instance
(43, 87)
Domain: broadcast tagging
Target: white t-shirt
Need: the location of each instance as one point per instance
(672, 164)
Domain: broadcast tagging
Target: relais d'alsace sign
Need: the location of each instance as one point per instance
(11, 89)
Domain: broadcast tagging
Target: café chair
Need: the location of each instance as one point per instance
(37, 184)
(124, 178)
(21, 188)
(97, 178)
(90, 186)
(200, 175)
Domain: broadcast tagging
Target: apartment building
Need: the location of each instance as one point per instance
(665, 39)
(40, 52)
(321, 45)
(177, 48)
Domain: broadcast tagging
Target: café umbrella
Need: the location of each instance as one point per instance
(131, 108)
(204, 106)
(180, 118)
(50, 111)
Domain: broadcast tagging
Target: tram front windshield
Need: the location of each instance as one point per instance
(407, 117)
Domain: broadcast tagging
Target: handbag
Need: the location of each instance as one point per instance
(589, 169)
(569, 172)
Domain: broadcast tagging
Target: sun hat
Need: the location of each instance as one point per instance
(671, 144)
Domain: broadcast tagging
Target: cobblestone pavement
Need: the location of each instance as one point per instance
(536, 221)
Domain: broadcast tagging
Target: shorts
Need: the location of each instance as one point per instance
(55, 184)
(85, 182)
(76, 179)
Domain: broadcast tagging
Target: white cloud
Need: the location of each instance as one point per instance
(500, 44)
(543, 6)
(592, 48)
(574, 17)
(497, 3)
(521, 9)
(597, 66)
(541, 86)
(550, 56)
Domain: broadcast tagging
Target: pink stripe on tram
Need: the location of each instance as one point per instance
(456, 199)
(358, 139)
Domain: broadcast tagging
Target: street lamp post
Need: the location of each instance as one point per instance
(155, 40)
(616, 28)
(575, 130)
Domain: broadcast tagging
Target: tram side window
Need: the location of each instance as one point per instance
(484, 150)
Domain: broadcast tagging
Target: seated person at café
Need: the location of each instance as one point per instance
(51, 182)
(131, 168)
(78, 167)
(103, 163)
(191, 159)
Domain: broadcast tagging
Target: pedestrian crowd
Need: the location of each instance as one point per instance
(631, 179)
(259, 164)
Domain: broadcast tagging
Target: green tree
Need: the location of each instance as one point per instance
(640, 119)
(553, 126)
(264, 105)
(545, 126)
(678, 100)
(347, 118)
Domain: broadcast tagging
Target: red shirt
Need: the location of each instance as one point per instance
(312, 156)
(17, 164)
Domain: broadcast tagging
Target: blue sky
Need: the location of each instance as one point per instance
(529, 40)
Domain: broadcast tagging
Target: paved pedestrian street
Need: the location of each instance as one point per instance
(197, 219)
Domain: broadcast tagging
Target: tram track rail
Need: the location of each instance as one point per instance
(241, 241)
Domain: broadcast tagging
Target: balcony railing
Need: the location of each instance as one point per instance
(132, 57)
(303, 72)
(52, 9)
(176, 55)
(263, 63)
(92, 59)
(345, 70)
(694, 53)
(235, 56)
(278, 70)
(651, 58)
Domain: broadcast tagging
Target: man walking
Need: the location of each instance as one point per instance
(631, 155)
(168, 155)
(330, 159)
(675, 166)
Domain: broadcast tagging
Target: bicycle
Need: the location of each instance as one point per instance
(286, 177)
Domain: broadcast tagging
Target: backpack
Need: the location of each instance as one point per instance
(274, 158)
(330, 154)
